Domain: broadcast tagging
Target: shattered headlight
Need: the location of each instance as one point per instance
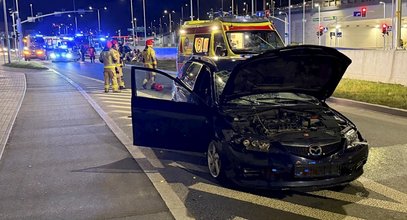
(254, 144)
(352, 139)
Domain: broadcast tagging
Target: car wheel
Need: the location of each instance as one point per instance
(216, 163)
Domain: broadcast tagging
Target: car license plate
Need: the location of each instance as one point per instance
(316, 170)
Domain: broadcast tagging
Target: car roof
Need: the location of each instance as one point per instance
(218, 63)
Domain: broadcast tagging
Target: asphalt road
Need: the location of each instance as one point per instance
(381, 193)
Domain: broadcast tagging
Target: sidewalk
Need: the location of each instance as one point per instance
(61, 160)
(12, 90)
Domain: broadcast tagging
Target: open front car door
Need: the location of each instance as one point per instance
(162, 121)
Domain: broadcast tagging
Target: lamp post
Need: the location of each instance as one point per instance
(6, 30)
(98, 11)
(169, 18)
(31, 9)
(246, 7)
(303, 22)
(384, 19)
(145, 20)
(197, 5)
(192, 11)
(132, 22)
(252, 7)
(319, 21)
(289, 21)
(76, 18)
(182, 13)
(285, 27)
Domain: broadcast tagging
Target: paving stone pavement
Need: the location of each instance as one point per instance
(12, 90)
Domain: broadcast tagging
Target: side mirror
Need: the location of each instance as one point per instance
(220, 51)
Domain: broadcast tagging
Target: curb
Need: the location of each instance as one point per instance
(373, 107)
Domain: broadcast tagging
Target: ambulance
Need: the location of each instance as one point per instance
(234, 37)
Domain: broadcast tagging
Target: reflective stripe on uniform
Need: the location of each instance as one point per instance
(110, 67)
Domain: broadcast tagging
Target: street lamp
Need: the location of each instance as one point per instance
(182, 13)
(169, 18)
(285, 27)
(303, 21)
(319, 21)
(98, 10)
(197, 5)
(246, 7)
(32, 12)
(132, 21)
(384, 9)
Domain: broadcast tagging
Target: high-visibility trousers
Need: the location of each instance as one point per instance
(119, 74)
(150, 76)
(110, 76)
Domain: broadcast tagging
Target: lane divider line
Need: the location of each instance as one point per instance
(173, 202)
(270, 202)
(384, 190)
(377, 203)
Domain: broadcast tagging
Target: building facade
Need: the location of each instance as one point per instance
(342, 27)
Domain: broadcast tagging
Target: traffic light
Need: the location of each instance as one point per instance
(385, 29)
(364, 11)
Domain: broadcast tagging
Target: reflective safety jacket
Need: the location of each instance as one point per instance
(109, 58)
(116, 55)
(149, 58)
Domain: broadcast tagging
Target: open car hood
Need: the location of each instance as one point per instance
(312, 70)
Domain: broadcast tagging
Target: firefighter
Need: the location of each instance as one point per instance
(119, 65)
(109, 59)
(150, 61)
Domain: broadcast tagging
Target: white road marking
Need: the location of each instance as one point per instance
(120, 111)
(384, 190)
(190, 167)
(117, 102)
(115, 98)
(111, 94)
(377, 203)
(119, 107)
(269, 202)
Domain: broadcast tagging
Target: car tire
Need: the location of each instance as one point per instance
(216, 162)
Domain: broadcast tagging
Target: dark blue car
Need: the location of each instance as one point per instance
(263, 122)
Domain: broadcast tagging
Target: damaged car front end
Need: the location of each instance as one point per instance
(277, 131)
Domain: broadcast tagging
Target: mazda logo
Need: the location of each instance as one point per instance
(315, 150)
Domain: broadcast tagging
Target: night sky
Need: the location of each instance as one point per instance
(116, 17)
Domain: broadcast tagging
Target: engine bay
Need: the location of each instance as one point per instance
(278, 120)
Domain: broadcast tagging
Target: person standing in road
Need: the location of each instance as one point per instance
(83, 52)
(109, 59)
(150, 61)
(119, 65)
(92, 54)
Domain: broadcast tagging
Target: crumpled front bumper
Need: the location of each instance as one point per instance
(280, 170)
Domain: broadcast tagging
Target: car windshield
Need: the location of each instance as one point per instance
(275, 98)
(244, 42)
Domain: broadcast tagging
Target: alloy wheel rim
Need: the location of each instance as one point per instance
(213, 161)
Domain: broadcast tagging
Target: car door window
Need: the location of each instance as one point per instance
(150, 84)
(219, 45)
(191, 72)
(202, 86)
